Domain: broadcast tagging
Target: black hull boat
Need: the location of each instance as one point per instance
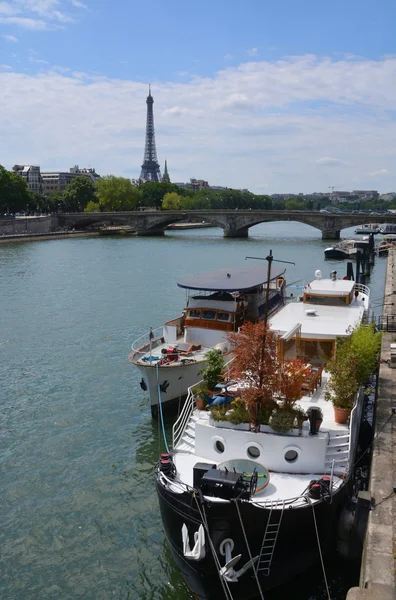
(248, 500)
(302, 530)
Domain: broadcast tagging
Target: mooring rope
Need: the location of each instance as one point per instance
(249, 552)
(224, 582)
(160, 409)
(320, 549)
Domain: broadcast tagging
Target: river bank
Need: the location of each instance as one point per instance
(39, 237)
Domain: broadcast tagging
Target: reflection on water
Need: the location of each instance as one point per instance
(79, 515)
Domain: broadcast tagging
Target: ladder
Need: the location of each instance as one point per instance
(269, 540)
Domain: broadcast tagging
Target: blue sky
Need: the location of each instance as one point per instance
(292, 96)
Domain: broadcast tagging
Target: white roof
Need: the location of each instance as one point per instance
(339, 287)
(328, 323)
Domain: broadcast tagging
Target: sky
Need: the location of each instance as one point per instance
(281, 97)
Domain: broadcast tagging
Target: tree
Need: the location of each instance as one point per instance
(153, 192)
(171, 201)
(117, 193)
(78, 193)
(92, 207)
(255, 349)
(15, 195)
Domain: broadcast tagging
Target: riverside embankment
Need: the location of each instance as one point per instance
(377, 577)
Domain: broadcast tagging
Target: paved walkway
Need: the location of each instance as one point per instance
(377, 577)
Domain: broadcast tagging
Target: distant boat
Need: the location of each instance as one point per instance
(369, 228)
(345, 249)
(386, 228)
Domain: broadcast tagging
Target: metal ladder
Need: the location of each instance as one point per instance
(269, 541)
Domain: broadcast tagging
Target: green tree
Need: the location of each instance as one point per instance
(117, 193)
(78, 193)
(15, 195)
(92, 207)
(171, 201)
(153, 192)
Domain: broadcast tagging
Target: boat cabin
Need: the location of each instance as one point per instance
(226, 299)
(328, 308)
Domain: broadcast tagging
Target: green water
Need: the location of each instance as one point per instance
(79, 515)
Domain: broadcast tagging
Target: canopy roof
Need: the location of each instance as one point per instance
(238, 279)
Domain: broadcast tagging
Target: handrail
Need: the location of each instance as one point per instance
(188, 408)
(157, 333)
(363, 289)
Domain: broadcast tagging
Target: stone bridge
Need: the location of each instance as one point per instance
(235, 223)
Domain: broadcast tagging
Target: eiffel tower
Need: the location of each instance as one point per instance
(150, 167)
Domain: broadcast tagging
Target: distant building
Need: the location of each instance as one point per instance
(388, 197)
(31, 175)
(165, 176)
(366, 194)
(57, 181)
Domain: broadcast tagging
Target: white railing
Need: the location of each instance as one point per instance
(363, 289)
(188, 408)
(184, 417)
(141, 346)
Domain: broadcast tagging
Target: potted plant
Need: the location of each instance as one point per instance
(212, 374)
(201, 392)
(300, 416)
(319, 415)
(282, 420)
(219, 414)
(239, 414)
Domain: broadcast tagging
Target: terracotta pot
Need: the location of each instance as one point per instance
(200, 403)
(341, 414)
(318, 424)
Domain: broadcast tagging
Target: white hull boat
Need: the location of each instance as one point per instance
(171, 358)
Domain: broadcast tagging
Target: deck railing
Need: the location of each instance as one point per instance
(188, 409)
(142, 345)
(363, 289)
(184, 417)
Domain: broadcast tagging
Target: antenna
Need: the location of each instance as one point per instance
(269, 259)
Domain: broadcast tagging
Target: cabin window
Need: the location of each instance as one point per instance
(194, 314)
(291, 456)
(209, 314)
(219, 446)
(222, 316)
(253, 452)
(327, 300)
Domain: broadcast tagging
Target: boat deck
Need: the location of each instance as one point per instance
(283, 486)
(143, 356)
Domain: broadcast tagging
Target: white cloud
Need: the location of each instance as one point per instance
(271, 122)
(253, 51)
(6, 8)
(378, 173)
(78, 4)
(228, 56)
(32, 59)
(327, 161)
(24, 13)
(25, 23)
(10, 38)
(6, 67)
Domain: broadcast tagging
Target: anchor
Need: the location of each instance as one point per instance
(198, 551)
(228, 572)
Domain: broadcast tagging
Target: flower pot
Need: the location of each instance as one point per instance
(318, 424)
(341, 414)
(200, 403)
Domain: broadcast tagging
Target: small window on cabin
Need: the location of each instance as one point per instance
(195, 314)
(222, 316)
(208, 314)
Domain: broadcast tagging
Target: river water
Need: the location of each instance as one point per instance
(79, 517)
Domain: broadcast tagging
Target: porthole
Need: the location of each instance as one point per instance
(219, 446)
(291, 456)
(253, 451)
